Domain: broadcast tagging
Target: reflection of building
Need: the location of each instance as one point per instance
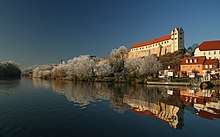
(205, 101)
(170, 114)
(164, 109)
(160, 46)
(210, 49)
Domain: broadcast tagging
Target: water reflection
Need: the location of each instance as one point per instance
(164, 103)
(205, 103)
(8, 87)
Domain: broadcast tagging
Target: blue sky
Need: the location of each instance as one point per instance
(45, 31)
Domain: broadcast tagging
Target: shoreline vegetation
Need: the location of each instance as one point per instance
(117, 68)
(9, 70)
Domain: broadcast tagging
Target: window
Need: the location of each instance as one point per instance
(191, 60)
(204, 52)
(196, 60)
(198, 66)
(209, 53)
(190, 67)
(210, 66)
(206, 66)
(184, 66)
(181, 38)
(187, 61)
(214, 52)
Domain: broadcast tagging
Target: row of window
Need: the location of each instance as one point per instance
(191, 60)
(198, 66)
(214, 52)
(157, 44)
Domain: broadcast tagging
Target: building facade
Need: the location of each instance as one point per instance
(199, 65)
(210, 49)
(160, 46)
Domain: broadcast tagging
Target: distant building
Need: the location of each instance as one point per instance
(160, 46)
(210, 49)
(199, 65)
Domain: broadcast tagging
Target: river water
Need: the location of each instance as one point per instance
(43, 108)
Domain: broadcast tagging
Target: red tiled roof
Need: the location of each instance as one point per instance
(211, 62)
(200, 60)
(152, 41)
(209, 45)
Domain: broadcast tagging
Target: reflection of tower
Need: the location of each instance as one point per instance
(167, 108)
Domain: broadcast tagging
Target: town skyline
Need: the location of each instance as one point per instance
(40, 32)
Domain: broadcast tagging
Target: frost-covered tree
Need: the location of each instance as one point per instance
(102, 69)
(9, 69)
(117, 59)
(82, 67)
(134, 67)
(42, 71)
(59, 72)
(152, 65)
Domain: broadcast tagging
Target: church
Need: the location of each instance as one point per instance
(159, 46)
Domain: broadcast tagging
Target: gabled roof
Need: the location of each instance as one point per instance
(209, 45)
(211, 62)
(152, 41)
(200, 60)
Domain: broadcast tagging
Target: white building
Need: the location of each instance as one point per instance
(210, 49)
(159, 46)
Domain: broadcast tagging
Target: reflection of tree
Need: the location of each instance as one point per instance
(117, 96)
(8, 86)
(152, 101)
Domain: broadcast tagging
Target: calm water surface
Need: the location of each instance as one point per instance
(40, 108)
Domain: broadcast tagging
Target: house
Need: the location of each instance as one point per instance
(159, 46)
(210, 66)
(210, 49)
(199, 65)
(192, 64)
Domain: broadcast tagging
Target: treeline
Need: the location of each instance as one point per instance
(86, 67)
(9, 69)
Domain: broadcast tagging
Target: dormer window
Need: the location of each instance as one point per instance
(187, 61)
(191, 60)
(196, 60)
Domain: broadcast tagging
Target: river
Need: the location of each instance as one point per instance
(49, 108)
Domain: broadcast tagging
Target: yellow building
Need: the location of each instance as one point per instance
(160, 46)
